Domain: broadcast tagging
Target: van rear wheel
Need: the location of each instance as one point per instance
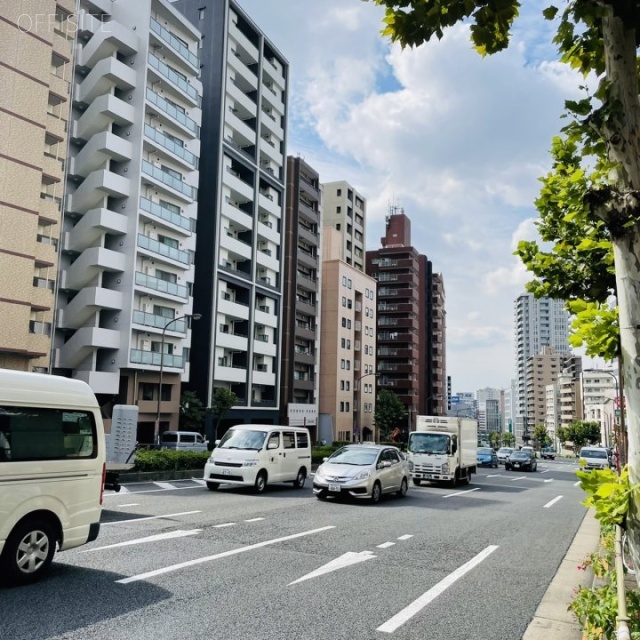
(301, 478)
(261, 482)
(28, 551)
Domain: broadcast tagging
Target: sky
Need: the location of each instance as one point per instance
(457, 141)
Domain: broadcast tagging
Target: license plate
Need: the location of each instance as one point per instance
(516, 464)
(335, 488)
(226, 472)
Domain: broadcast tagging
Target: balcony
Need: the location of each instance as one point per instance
(175, 116)
(84, 342)
(232, 179)
(264, 347)
(162, 286)
(177, 186)
(95, 188)
(86, 304)
(89, 265)
(159, 248)
(263, 377)
(100, 381)
(56, 126)
(265, 318)
(103, 78)
(176, 151)
(237, 247)
(267, 201)
(105, 42)
(232, 341)
(233, 309)
(232, 212)
(145, 319)
(183, 88)
(245, 48)
(230, 374)
(100, 114)
(158, 212)
(169, 361)
(275, 72)
(101, 147)
(241, 98)
(176, 45)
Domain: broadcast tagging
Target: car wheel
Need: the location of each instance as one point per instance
(507, 467)
(28, 551)
(213, 486)
(321, 496)
(376, 493)
(404, 487)
(417, 482)
(298, 483)
(261, 482)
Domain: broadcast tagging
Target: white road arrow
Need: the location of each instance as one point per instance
(344, 560)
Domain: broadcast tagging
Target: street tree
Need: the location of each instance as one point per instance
(389, 413)
(598, 39)
(494, 439)
(508, 439)
(192, 412)
(541, 436)
(581, 433)
(222, 401)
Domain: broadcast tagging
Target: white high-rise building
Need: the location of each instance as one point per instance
(538, 323)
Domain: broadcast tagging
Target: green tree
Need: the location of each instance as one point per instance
(581, 433)
(191, 412)
(222, 401)
(494, 439)
(389, 412)
(508, 439)
(540, 436)
(598, 39)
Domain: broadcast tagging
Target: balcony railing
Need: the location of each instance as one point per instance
(151, 282)
(175, 44)
(170, 145)
(159, 322)
(173, 77)
(138, 356)
(161, 212)
(169, 180)
(171, 111)
(144, 242)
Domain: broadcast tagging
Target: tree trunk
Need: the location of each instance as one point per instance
(623, 139)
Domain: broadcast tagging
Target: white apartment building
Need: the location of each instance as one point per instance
(599, 394)
(128, 243)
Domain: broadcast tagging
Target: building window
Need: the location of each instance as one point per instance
(338, 209)
(341, 385)
(344, 301)
(342, 364)
(339, 192)
(349, 283)
(145, 391)
(342, 407)
(344, 281)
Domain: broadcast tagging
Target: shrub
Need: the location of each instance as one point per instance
(167, 459)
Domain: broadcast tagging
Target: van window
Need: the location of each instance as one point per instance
(289, 439)
(274, 441)
(170, 436)
(187, 437)
(303, 440)
(36, 433)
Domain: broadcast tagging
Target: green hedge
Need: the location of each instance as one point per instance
(166, 459)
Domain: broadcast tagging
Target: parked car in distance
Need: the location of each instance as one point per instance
(531, 450)
(486, 457)
(548, 453)
(503, 453)
(362, 471)
(522, 460)
(594, 458)
(183, 441)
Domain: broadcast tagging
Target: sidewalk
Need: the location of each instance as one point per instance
(552, 619)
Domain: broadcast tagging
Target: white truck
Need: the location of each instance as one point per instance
(443, 449)
(120, 443)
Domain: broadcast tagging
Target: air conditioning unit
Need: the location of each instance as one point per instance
(224, 328)
(264, 307)
(146, 345)
(147, 308)
(222, 361)
(226, 295)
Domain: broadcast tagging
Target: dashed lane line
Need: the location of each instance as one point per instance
(166, 515)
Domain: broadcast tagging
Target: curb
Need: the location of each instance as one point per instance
(552, 618)
(168, 474)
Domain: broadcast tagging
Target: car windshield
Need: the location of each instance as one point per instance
(593, 453)
(242, 439)
(505, 450)
(355, 456)
(486, 451)
(428, 442)
(521, 454)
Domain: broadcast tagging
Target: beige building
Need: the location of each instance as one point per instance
(36, 41)
(347, 346)
(542, 369)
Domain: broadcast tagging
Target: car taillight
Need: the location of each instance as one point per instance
(104, 479)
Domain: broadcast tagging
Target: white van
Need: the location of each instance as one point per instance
(183, 441)
(52, 466)
(258, 454)
(594, 458)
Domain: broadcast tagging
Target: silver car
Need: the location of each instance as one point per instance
(504, 453)
(362, 471)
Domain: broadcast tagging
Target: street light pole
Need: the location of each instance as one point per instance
(193, 316)
(357, 395)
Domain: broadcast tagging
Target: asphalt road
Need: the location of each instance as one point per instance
(175, 561)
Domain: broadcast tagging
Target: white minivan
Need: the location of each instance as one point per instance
(258, 454)
(52, 466)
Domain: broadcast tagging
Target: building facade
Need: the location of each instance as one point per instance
(410, 349)
(542, 369)
(36, 50)
(347, 349)
(301, 310)
(599, 400)
(239, 281)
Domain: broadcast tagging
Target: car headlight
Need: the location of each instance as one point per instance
(410, 465)
(319, 472)
(249, 463)
(445, 467)
(211, 460)
(363, 475)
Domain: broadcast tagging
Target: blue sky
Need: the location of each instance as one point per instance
(458, 141)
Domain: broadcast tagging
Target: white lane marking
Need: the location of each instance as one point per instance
(549, 480)
(345, 560)
(576, 484)
(167, 515)
(254, 519)
(546, 471)
(224, 554)
(110, 495)
(494, 475)
(131, 504)
(386, 545)
(164, 485)
(518, 478)
(123, 490)
(417, 605)
(226, 524)
(552, 502)
(200, 481)
(459, 493)
(159, 536)
(406, 536)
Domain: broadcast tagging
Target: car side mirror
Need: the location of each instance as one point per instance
(325, 459)
(454, 448)
(384, 464)
(217, 442)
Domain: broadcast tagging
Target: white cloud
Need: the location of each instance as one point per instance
(458, 141)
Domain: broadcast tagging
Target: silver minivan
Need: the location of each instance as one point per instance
(183, 441)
